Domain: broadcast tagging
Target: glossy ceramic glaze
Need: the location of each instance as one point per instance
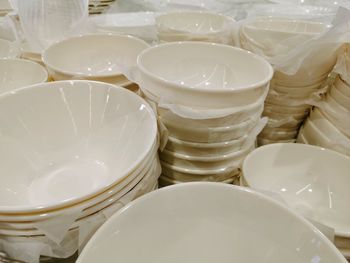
(209, 222)
(312, 180)
(98, 57)
(86, 137)
(204, 74)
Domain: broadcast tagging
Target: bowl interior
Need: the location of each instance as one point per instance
(312, 180)
(192, 22)
(205, 66)
(17, 73)
(185, 221)
(94, 55)
(64, 141)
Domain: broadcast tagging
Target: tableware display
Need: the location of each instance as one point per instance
(221, 108)
(18, 73)
(83, 154)
(99, 57)
(202, 210)
(289, 93)
(194, 26)
(299, 174)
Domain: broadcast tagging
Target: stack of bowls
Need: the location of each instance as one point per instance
(329, 126)
(100, 57)
(205, 78)
(300, 175)
(208, 222)
(72, 152)
(194, 26)
(287, 103)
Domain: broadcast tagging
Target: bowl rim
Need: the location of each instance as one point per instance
(33, 209)
(283, 209)
(203, 145)
(109, 35)
(154, 77)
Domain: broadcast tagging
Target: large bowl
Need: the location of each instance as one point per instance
(196, 26)
(99, 57)
(64, 142)
(204, 74)
(312, 180)
(18, 73)
(207, 222)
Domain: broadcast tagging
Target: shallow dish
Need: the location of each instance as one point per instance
(300, 173)
(202, 210)
(204, 74)
(18, 73)
(96, 57)
(75, 141)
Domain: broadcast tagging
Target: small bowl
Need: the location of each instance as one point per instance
(340, 98)
(263, 141)
(7, 49)
(274, 114)
(100, 57)
(199, 134)
(75, 137)
(184, 215)
(18, 73)
(300, 173)
(224, 162)
(194, 26)
(286, 109)
(278, 134)
(204, 75)
(171, 172)
(166, 181)
(205, 149)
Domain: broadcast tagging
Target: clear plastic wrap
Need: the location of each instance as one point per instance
(46, 22)
(64, 243)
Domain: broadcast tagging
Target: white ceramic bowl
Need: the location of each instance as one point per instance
(270, 107)
(205, 149)
(166, 181)
(18, 73)
(275, 114)
(263, 141)
(7, 49)
(220, 162)
(204, 74)
(174, 223)
(86, 137)
(312, 180)
(96, 57)
(196, 26)
(275, 36)
(211, 134)
(277, 134)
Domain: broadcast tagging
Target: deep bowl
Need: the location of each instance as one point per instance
(64, 142)
(207, 222)
(312, 180)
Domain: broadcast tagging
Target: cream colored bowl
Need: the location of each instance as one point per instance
(207, 222)
(64, 142)
(204, 75)
(100, 57)
(196, 26)
(18, 73)
(312, 180)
